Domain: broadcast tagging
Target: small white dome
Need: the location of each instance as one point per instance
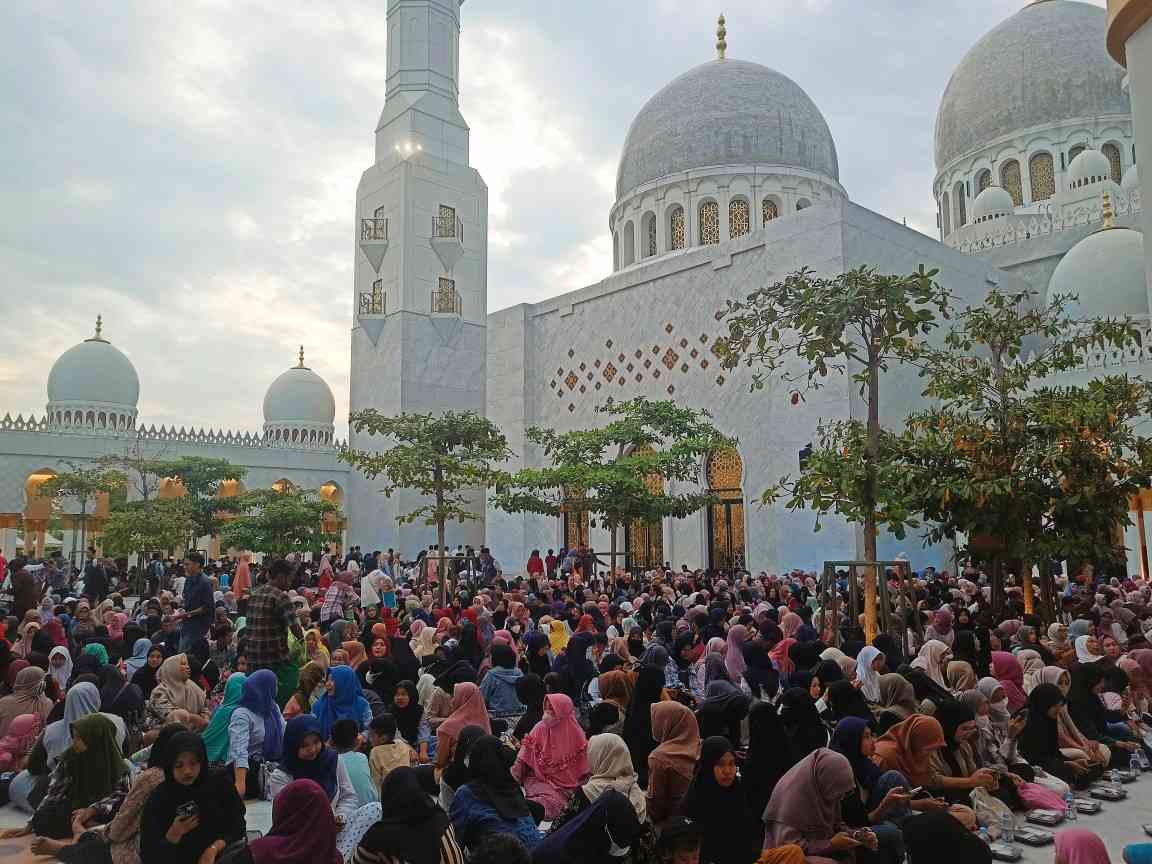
(94, 373)
(1130, 181)
(1090, 166)
(299, 396)
(992, 202)
(1105, 271)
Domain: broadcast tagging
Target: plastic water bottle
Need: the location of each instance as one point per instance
(1007, 828)
(1135, 765)
(984, 836)
(1070, 808)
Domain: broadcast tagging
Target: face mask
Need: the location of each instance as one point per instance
(1001, 705)
(614, 850)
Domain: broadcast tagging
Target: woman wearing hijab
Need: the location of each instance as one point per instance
(672, 764)
(60, 667)
(305, 756)
(638, 721)
(869, 666)
(734, 653)
(254, 730)
(1073, 744)
(610, 768)
(410, 722)
(1080, 846)
(805, 808)
(91, 776)
(176, 692)
(138, 658)
(908, 747)
(603, 833)
(844, 700)
(491, 802)
(960, 676)
(145, 676)
(881, 793)
(1032, 665)
(1087, 650)
(530, 691)
(716, 803)
(498, 687)
(457, 774)
(957, 772)
(1089, 714)
(941, 627)
(553, 758)
(312, 677)
(303, 830)
(803, 728)
(27, 697)
(932, 661)
(171, 836)
(1039, 741)
(82, 699)
(723, 711)
(123, 699)
(940, 838)
(897, 700)
(466, 709)
(412, 828)
(342, 700)
(1006, 669)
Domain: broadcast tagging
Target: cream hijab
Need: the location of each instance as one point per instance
(611, 768)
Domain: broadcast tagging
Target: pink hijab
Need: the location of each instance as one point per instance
(734, 653)
(15, 745)
(556, 749)
(790, 623)
(466, 709)
(779, 655)
(1080, 846)
(1006, 669)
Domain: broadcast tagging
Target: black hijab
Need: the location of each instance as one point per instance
(120, 697)
(406, 662)
(408, 719)
(145, 677)
(890, 648)
(939, 838)
(847, 741)
(531, 692)
(492, 781)
(802, 725)
(767, 761)
(457, 774)
(638, 721)
(411, 824)
(731, 830)
(845, 700)
(1039, 741)
(951, 715)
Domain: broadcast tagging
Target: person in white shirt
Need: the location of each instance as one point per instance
(370, 589)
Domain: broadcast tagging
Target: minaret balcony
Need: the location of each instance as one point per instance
(374, 240)
(448, 239)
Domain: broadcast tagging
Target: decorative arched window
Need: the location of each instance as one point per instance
(1010, 180)
(648, 224)
(771, 210)
(1041, 176)
(709, 223)
(738, 217)
(725, 471)
(676, 227)
(576, 520)
(803, 204)
(1075, 151)
(1113, 153)
(961, 206)
(983, 180)
(628, 253)
(615, 250)
(945, 214)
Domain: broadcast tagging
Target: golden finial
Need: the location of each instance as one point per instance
(301, 364)
(721, 38)
(1106, 209)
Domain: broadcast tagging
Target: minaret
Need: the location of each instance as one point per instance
(420, 295)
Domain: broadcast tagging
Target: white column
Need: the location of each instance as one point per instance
(1139, 49)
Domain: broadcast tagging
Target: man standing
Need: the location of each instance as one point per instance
(155, 575)
(25, 592)
(271, 616)
(95, 579)
(197, 600)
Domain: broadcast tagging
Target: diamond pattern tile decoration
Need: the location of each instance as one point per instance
(589, 376)
(720, 380)
(583, 389)
(629, 367)
(655, 373)
(668, 328)
(670, 358)
(560, 371)
(596, 363)
(620, 381)
(693, 353)
(609, 372)
(571, 407)
(571, 353)
(716, 346)
(647, 364)
(597, 385)
(671, 389)
(583, 366)
(655, 349)
(552, 384)
(703, 338)
(608, 344)
(639, 378)
(638, 354)
(683, 343)
(684, 367)
(620, 358)
(571, 381)
(704, 363)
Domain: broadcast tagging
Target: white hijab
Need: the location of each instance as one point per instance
(868, 677)
(1082, 654)
(64, 673)
(611, 768)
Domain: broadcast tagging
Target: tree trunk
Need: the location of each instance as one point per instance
(442, 567)
(611, 556)
(1026, 581)
(871, 454)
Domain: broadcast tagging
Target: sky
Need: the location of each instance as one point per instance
(188, 170)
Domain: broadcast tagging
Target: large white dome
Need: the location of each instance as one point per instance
(299, 396)
(726, 112)
(1105, 271)
(94, 373)
(1046, 64)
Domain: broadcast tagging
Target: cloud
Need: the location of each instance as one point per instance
(189, 170)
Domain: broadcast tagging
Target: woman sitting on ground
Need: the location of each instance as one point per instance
(491, 802)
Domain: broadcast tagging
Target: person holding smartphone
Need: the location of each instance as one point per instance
(194, 813)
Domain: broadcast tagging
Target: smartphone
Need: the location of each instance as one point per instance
(187, 810)
(916, 793)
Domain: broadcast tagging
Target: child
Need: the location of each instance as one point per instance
(346, 742)
(388, 752)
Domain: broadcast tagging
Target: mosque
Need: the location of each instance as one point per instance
(728, 180)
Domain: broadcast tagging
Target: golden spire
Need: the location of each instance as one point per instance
(721, 38)
(301, 365)
(1106, 209)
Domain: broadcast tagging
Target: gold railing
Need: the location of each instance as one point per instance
(373, 230)
(447, 228)
(371, 303)
(446, 300)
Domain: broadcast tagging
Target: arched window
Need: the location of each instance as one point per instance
(629, 251)
(615, 250)
(1010, 180)
(961, 206)
(1042, 177)
(945, 214)
(983, 180)
(648, 225)
(803, 204)
(738, 218)
(645, 540)
(726, 518)
(1074, 152)
(676, 227)
(771, 210)
(1113, 153)
(709, 223)
(576, 521)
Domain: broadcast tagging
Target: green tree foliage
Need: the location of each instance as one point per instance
(449, 459)
(83, 484)
(798, 331)
(619, 472)
(145, 526)
(279, 522)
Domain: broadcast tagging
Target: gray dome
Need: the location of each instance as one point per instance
(299, 396)
(1105, 271)
(1046, 64)
(95, 372)
(726, 112)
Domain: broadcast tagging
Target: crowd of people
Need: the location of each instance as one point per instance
(559, 715)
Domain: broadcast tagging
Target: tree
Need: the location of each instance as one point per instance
(1037, 471)
(280, 522)
(140, 468)
(610, 471)
(135, 526)
(440, 456)
(201, 478)
(802, 328)
(84, 485)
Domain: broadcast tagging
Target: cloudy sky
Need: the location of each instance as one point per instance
(188, 169)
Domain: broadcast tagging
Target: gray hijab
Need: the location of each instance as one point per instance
(82, 699)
